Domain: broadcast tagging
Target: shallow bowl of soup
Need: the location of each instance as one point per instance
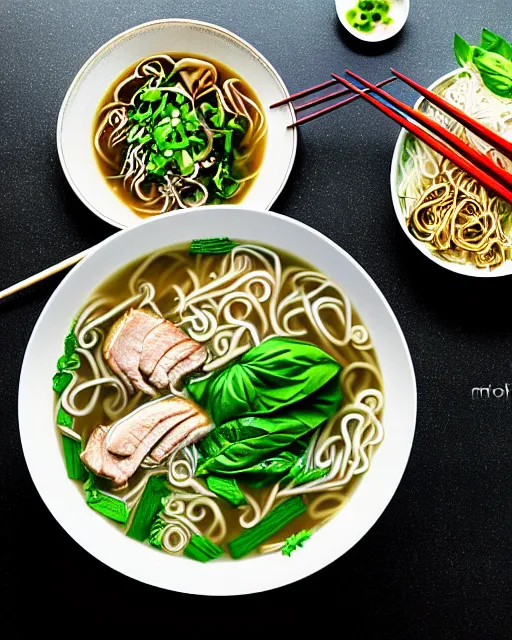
(217, 412)
(174, 114)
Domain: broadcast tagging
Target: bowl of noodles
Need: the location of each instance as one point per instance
(217, 415)
(446, 213)
(174, 114)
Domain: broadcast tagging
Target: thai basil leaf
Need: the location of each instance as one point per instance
(226, 488)
(463, 51)
(492, 42)
(239, 445)
(278, 373)
(495, 70)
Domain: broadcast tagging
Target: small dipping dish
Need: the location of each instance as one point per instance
(376, 25)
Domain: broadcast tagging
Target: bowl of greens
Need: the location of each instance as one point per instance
(174, 114)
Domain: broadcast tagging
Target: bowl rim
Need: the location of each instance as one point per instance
(306, 565)
(121, 36)
(462, 269)
(366, 37)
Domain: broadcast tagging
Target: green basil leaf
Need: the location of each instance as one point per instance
(462, 50)
(492, 42)
(496, 71)
(226, 488)
(239, 445)
(277, 373)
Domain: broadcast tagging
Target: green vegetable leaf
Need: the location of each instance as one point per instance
(151, 96)
(211, 246)
(496, 71)
(202, 549)
(268, 526)
(156, 532)
(226, 488)
(61, 381)
(462, 50)
(68, 363)
(74, 466)
(277, 373)
(497, 44)
(295, 541)
(64, 419)
(109, 506)
(70, 342)
(147, 508)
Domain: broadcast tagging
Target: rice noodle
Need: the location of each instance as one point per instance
(230, 304)
(444, 206)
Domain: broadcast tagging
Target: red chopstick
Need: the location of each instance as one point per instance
(437, 145)
(305, 92)
(336, 94)
(499, 143)
(478, 158)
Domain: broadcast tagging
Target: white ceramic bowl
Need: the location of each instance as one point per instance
(79, 108)
(464, 269)
(399, 12)
(102, 539)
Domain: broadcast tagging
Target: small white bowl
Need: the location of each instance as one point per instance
(79, 108)
(104, 540)
(399, 12)
(464, 269)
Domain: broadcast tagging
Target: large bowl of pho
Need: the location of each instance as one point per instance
(217, 415)
(445, 213)
(174, 114)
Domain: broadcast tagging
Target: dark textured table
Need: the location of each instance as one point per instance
(438, 562)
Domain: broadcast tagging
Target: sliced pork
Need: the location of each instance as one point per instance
(140, 346)
(123, 347)
(169, 423)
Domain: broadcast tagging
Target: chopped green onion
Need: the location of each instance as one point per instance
(108, 506)
(211, 246)
(61, 381)
(202, 549)
(151, 96)
(64, 419)
(148, 506)
(72, 449)
(295, 541)
(278, 518)
(226, 488)
(156, 532)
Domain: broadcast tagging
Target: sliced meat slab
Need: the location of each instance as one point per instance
(123, 347)
(127, 434)
(140, 346)
(116, 452)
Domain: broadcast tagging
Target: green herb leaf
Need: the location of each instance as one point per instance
(295, 541)
(147, 508)
(211, 246)
(278, 518)
(462, 50)
(68, 363)
(226, 488)
(151, 96)
(61, 381)
(276, 374)
(64, 419)
(156, 532)
(109, 506)
(202, 549)
(74, 466)
(496, 71)
(497, 44)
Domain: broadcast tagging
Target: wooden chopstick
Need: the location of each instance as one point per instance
(46, 273)
(328, 109)
(305, 92)
(499, 143)
(336, 94)
(435, 143)
(481, 160)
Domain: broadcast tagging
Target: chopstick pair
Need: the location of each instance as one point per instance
(473, 162)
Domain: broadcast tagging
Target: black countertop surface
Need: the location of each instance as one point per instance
(438, 563)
